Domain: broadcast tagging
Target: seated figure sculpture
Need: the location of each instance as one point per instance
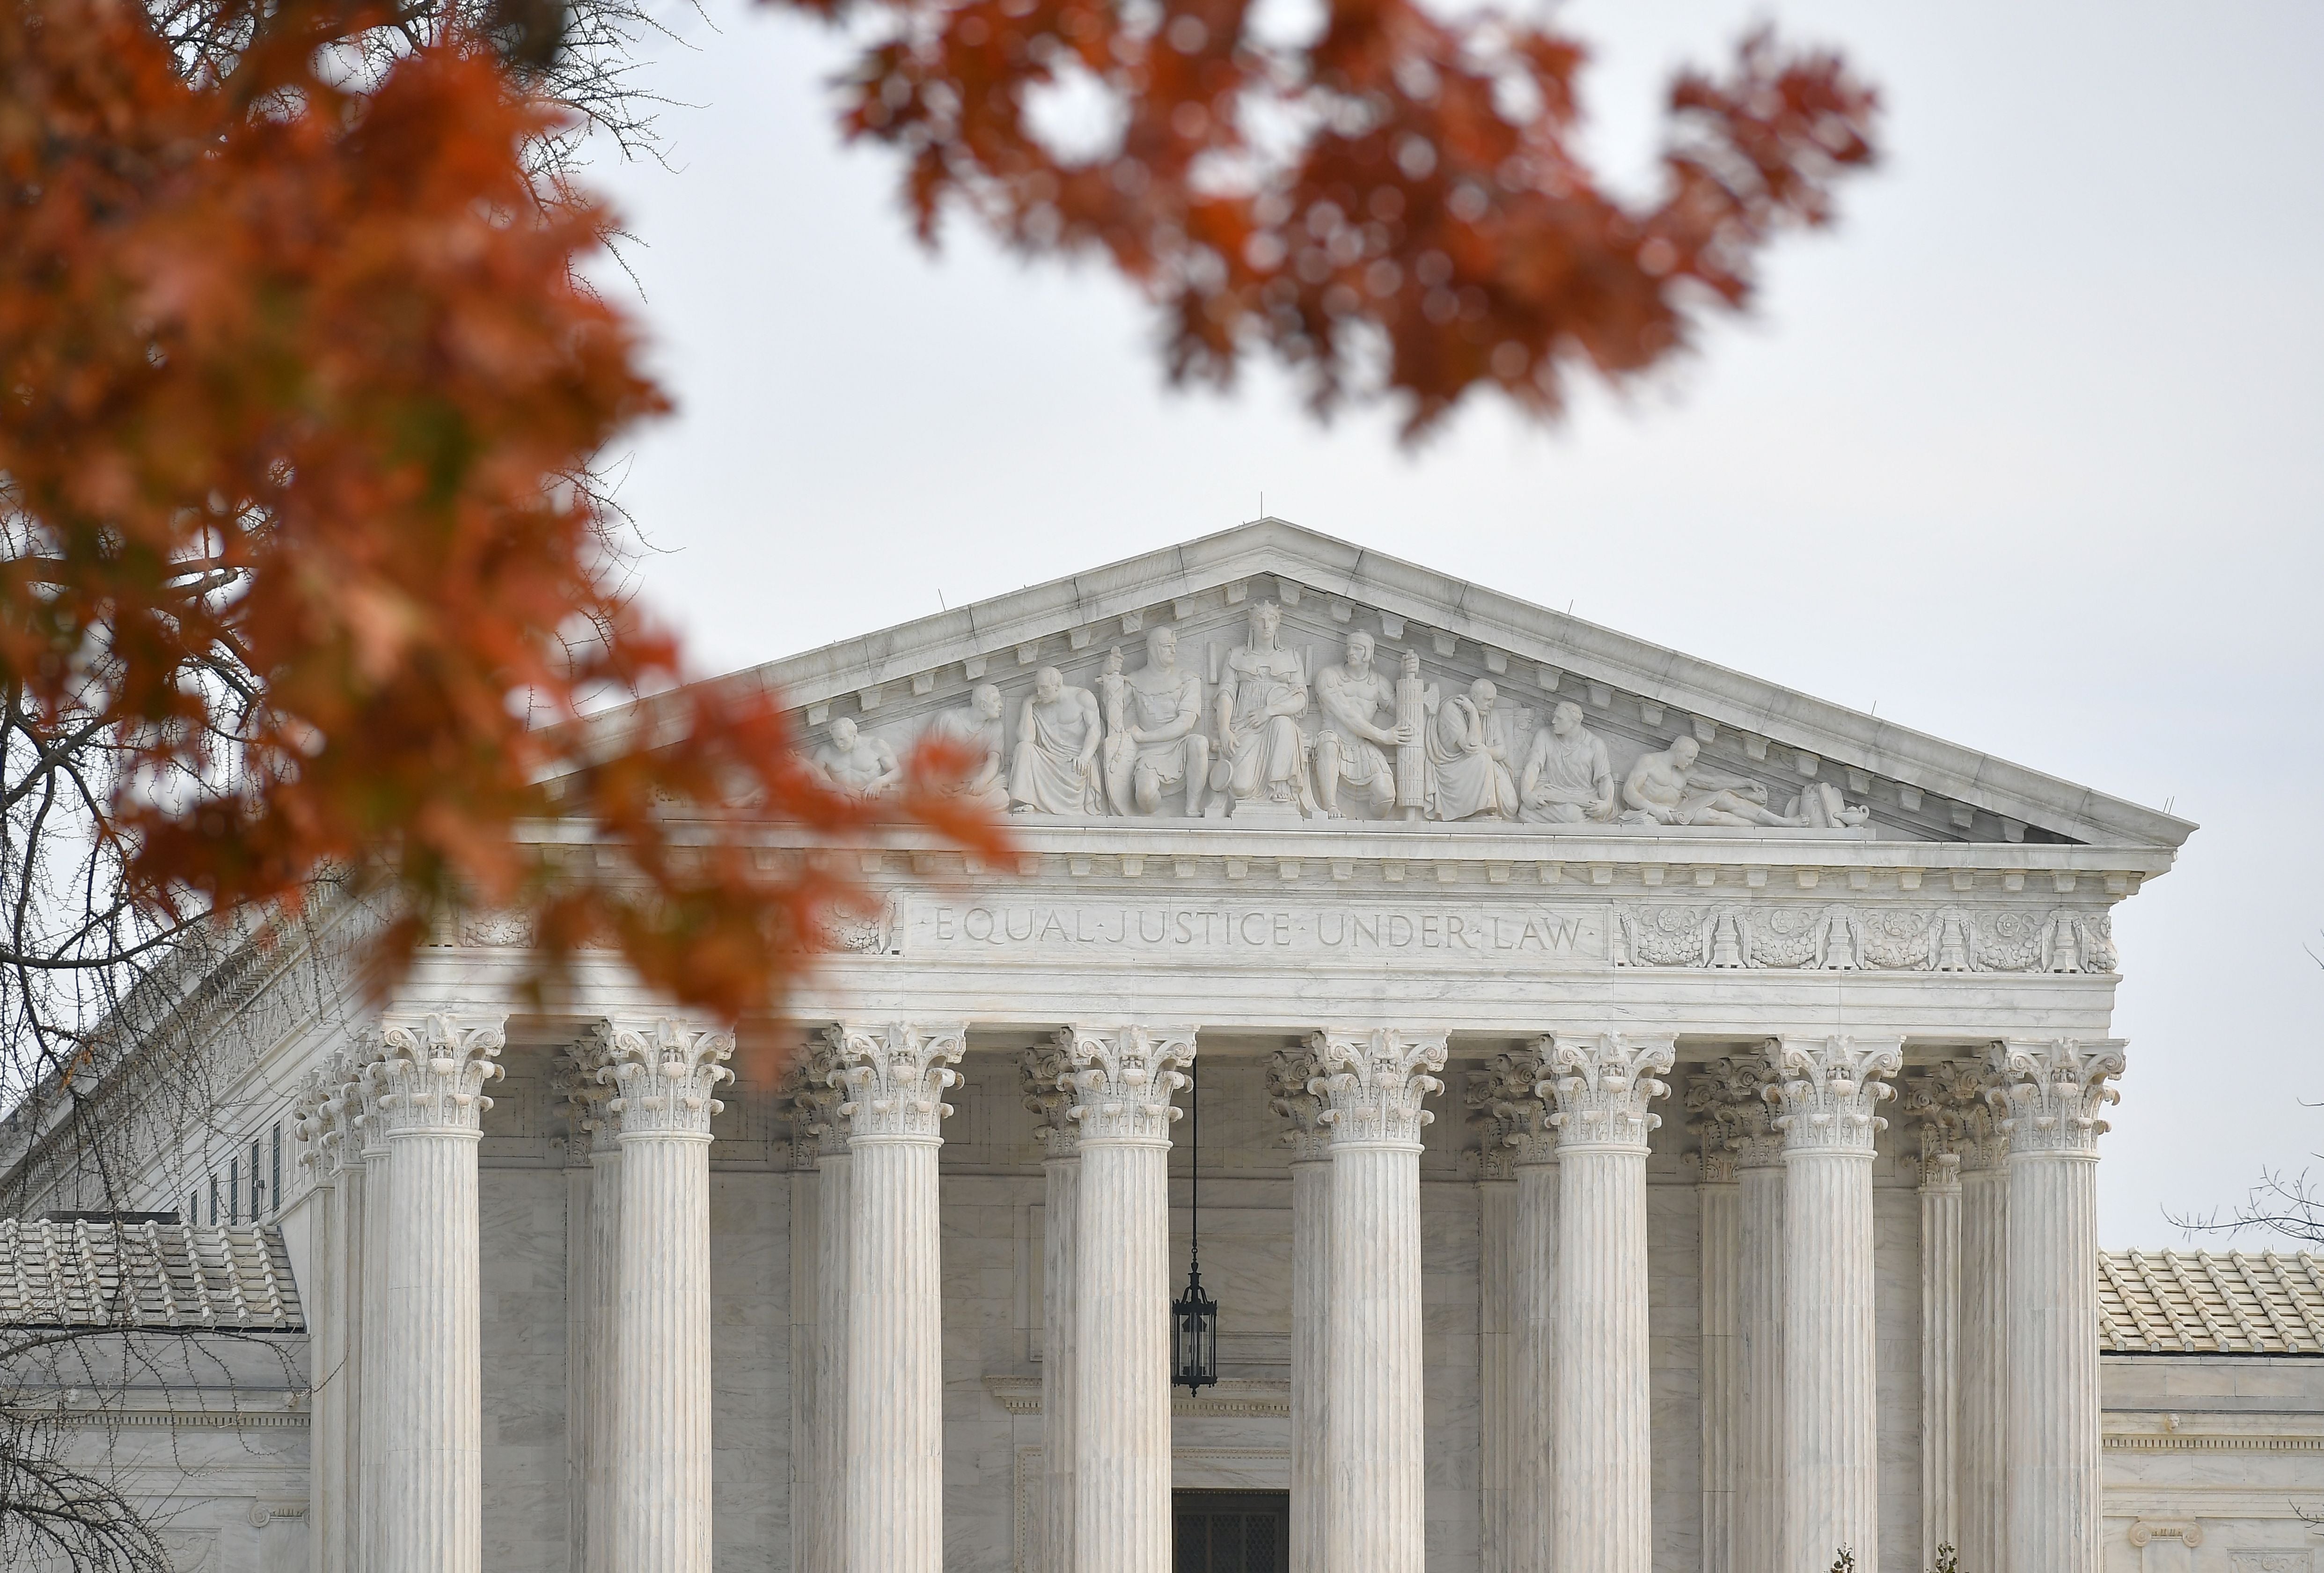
(1263, 756)
(1664, 788)
(1469, 758)
(1349, 745)
(973, 730)
(1568, 779)
(1160, 731)
(855, 765)
(1056, 767)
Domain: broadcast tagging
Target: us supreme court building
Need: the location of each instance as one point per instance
(1649, 1121)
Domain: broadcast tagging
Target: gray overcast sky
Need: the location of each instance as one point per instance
(2027, 452)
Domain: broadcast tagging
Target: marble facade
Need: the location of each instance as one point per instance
(1648, 1125)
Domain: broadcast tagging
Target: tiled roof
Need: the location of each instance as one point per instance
(85, 1274)
(2207, 1302)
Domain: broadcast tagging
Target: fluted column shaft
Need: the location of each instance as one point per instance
(664, 1072)
(1759, 1334)
(1534, 1480)
(607, 1195)
(1122, 1079)
(1290, 1077)
(326, 1318)
(1044, 1070)
(1718, 1218)
(1940, 1209)
(433, 1072)
(1372, 1084)
(1985, 1355)
(1604, 1451)
(819, 1137)
(373, 1404)
(896, 1077)
(1831, 1457)
(1500, 1417)
(2055, 1090)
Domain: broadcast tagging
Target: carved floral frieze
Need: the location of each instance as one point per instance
(1846, 937)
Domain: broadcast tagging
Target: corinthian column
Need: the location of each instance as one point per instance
(1718, 1102)
(2055, 1089)
(1603, 1083)
(663, 1072)
(1291, 1073)
(367, 1329)
(326, 1148)
(1942, 1104)
(819, 1133)
(1831, 1453)
(1122, 1079)
(1984, 1337)
(896, 1078)
(1758, 1321)
(1044, 1070)
(1372, 1084)
(432, 1073)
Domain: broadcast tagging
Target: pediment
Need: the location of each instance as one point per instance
(1635, 696)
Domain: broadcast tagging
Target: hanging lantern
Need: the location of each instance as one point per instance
(1194, 1315)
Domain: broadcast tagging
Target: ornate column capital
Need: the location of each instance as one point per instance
(896, 1075)
(1291, 1076)
(1042, 1071)
(322, 1118)
(1948, 1105)
(811, 1098)
(1122, 1079)
(1829, 1089)
(663, 1070)
(433, 1068)
(1510, 1116)
(2050, 1090)
(1728, 1114)
(1372, 1083)
(574, 1083)
(1602, 1082)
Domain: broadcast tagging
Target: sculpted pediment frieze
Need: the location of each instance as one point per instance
(1267, 703)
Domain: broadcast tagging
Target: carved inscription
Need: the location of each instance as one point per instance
(1513, 935)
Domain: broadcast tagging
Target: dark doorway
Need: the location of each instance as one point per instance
(1231, 1531)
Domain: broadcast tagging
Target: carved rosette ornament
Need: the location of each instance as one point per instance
(433, 1070)
(2051, 1091)
(663, 1071)
(1291, 1074)
(1602, 1082)
(1830, 1088)
(1373, 1083)
(1042, 1070)
(1946, 1104)
(896, 1077)
(1122, 1078)
(1511, 1118)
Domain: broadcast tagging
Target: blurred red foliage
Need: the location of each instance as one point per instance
(297, 390)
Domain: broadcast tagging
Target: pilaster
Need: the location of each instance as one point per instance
(594, 1141)
(1984, 1333)
(1718, 1102)
(1758, 1151)
(663, 1071)
(1291, 1074)
(1372, 1084)
(1829, 1089)
(1516, 1120)
(1603, 1083)
(895, 1075)
(1044, 1070)
(2053, 1091)
(819, 1139)
(367, 1327)
(432, 1072)
(1121, 1078)
(319, 1126)
(1943, 1104)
